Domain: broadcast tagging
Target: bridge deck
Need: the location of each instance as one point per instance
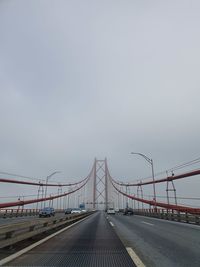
(93, 242)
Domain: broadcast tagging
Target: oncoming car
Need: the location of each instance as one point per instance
(75, 210)
(47, 212)
(68, 211)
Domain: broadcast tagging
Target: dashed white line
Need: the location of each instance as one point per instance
(148, 223)
(135, 257)
(111, 224)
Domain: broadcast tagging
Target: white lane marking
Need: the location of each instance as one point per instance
(135, 257)
(111, 224)
(23, 251)
(178, 224)
(148, 223)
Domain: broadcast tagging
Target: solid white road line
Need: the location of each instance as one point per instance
(135, 257)
(148, 223)
(111, 224)
(21, 252)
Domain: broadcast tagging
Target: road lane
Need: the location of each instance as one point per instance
(159, 242)
(91, 243)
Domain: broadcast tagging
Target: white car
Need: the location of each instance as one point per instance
(76, 210)
(83, 210)
(110, 211)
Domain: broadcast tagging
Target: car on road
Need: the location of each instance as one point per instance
(76, 210)
(111, 211)
(128, 211)
(47, 212)
(68, 211)
(83, 210)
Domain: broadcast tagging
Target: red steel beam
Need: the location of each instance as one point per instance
(3, 180)
(170, 178)
(31, 201)
(160, 204)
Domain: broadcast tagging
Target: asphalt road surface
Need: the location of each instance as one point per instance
(159, 243)
(90, 243)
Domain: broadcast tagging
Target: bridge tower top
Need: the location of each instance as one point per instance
(100, 184)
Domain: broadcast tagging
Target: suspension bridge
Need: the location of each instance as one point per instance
(162, 225)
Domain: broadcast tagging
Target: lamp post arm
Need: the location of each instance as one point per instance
(144, 156)
(49, 176)
(150, 161)
(47, 179)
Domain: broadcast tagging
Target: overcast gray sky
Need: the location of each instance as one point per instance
(84, 79)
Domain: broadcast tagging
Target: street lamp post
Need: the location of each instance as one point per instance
(79, 200)
(150, 161)
(68, 197)
(47, 179)
(126, 197)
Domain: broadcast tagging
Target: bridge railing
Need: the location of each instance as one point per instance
(10, 213)
(16, 232)
(170, 214)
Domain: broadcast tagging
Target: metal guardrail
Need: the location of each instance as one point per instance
(170, 215)
(11, 234)
(10, 213)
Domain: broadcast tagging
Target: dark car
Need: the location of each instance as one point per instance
(47, 212)
(68, 211)
(128, 211)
